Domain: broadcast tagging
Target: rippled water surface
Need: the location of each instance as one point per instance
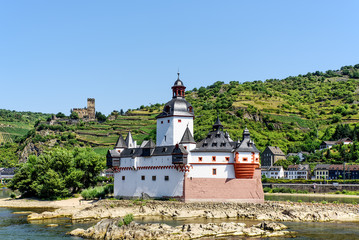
(15, 226)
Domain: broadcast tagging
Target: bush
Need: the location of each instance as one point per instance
(283, 190)
(267, 189)
(97, 192)
(126, 220)
(93, 193)
(12, 195)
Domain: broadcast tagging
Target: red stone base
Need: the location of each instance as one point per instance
(224, 190)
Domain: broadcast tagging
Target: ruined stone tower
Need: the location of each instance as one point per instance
(91, 108)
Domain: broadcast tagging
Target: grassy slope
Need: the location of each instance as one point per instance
(292, 113)
(16, 124)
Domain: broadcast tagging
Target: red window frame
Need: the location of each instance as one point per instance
(214, 171)
(213, 158)
(199, 159)
(227, 159)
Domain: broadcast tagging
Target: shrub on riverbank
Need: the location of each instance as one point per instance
(126, 220)
(12, 195)
(346, 192)
(97, 192)
(283, 190)
(318, 181)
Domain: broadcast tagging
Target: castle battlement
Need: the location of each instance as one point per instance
(87, 113)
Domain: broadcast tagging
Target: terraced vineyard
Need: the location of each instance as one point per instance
(106, 134)
(8, 132)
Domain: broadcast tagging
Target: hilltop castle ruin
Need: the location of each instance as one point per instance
(87, 113)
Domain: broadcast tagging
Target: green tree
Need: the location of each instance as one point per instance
(283, 162)
(58, 173)
(74, 115)
(60, 115)
(100, 117)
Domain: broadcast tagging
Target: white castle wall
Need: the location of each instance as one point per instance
(248, 156)
(204, 169)
(173, 129)
(133, 186)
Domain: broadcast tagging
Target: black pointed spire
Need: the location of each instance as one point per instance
(246, 133)
(217, 125)
(120, 142)
(187, 137)
(149, 144)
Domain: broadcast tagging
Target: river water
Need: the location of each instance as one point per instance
(15, 226)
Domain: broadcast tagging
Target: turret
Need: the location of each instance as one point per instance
(178, 89)
(176, 116)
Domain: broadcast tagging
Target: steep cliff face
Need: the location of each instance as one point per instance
(29, 149)
(39, 142)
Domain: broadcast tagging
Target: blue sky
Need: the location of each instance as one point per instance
(55, 54)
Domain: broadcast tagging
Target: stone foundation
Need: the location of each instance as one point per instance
(224, 190)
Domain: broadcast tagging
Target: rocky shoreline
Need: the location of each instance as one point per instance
(110, 229)
(269, 211)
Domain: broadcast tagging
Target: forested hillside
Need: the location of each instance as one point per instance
(295, 113)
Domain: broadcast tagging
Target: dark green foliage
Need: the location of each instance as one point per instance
(126, 220)
(60, 115)
(100, 117)
(74, 115)
(58, 173)
(8, 156)
(12, 195)
(25, 117)
(283, 190)
(97, 192)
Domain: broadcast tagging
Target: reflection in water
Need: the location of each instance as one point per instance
(15, 226)
(4, 193)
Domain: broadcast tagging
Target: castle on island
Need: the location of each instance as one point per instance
(176, 166)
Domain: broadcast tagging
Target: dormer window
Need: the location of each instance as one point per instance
(223, 144)
(190, 109)
(164, 149)
(167, 109)
(214, 144)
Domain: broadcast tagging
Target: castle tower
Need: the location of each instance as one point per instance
(176, 116)
(91, 108)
